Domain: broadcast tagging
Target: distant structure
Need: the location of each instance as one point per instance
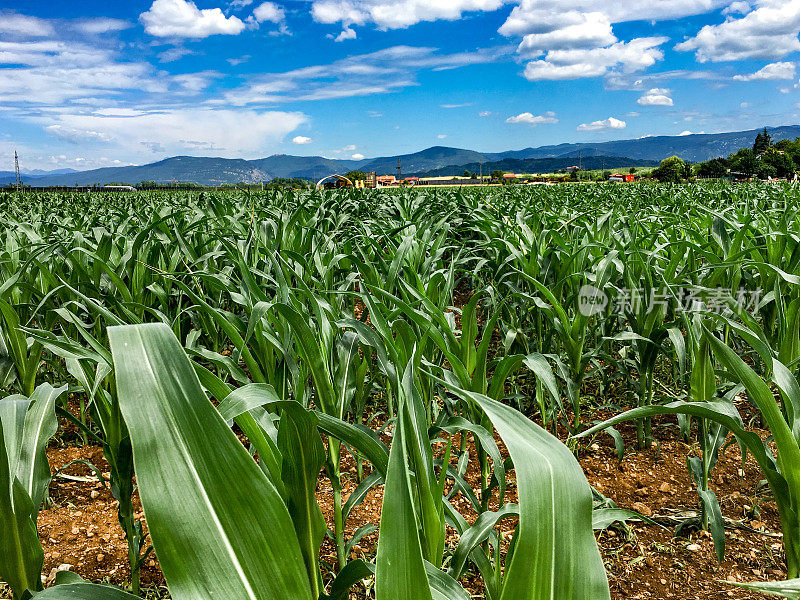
(620, 177)
(16, 171)
(119, 188)
(334, 182)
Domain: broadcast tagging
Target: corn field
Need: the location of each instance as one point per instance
(230, 351)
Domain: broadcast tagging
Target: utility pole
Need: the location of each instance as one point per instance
(399, 171)
(16, 171)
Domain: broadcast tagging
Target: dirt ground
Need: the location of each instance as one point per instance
(80, 531)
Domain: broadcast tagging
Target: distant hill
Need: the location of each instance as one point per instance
(438, 160)
(695, 148)
(426, 160)
(207, 171)
(10, 177)
(215, 171)
(540, 165)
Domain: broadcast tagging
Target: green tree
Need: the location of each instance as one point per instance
(780, 161)
(716, 168)
(671, 169)
(632, 170)
(763, 142)
(497, 174)
(356, 176)
(746, 162)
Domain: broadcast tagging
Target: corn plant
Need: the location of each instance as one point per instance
(248, 529)
(26, 425)
(781, 470)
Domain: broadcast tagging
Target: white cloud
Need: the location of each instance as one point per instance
(102, 25)
(349, 148)
(531, 16)
(182, 18)
(635, 55)
(609, 123)
(687, 132)
(195, 82)
(52, 72)
(656, 97)
(577, 40)
(485, 113)
(24, 26)
(547, 118)
(357, 157)
(235, 62)
(77, 136)
(301, 140)
(441, 136)
(174, 54)
(768, 31)
(395, 15)
(737, 8)
(381, 72)
(269, 11)
(231, 133)
(590, 30)
(771, 72)
(348, 33)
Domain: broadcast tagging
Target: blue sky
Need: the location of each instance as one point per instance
(90, 84)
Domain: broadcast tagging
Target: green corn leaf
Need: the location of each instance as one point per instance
(219, 527)
(787, 589)
(555, 555)
(21, 554)
(84, 591)
(400, 568)
(303, 457)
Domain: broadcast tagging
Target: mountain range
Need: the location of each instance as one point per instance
(438, 160)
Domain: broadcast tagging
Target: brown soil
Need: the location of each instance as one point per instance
(80, 528)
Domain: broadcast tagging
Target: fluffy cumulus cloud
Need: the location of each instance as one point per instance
(579, 30)
(527, 118)
(577, 63)
(605, 124)
(573, 39)
(386, 14)
(771, 72)
(357, 156)
(767, 31)
(182, 19)
(302, 140)
(530, 16)
(269, 11)
(656, 97)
